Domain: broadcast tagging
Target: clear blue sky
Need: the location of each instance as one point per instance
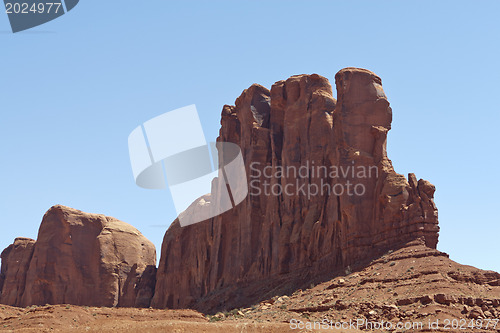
(73, 89)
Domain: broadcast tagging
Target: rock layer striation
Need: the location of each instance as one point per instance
(323, 196)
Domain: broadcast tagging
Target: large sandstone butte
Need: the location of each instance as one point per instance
(79, 258)
(272, 244)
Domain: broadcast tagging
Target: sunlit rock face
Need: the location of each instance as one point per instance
(323, 196)
(79, 258)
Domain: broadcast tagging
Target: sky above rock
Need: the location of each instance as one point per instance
(73, 89)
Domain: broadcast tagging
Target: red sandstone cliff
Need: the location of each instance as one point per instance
(277, 243)
(79, 258)
(320, 224)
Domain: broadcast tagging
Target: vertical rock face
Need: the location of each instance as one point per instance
(82, 259)
(15, 262)
(323, 196)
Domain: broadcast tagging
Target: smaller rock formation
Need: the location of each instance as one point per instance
(82, 259)
(15, 262)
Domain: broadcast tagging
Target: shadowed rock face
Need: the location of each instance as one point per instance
(82, 259)
(277, 242)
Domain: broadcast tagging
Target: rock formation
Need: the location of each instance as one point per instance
(324, 200)
(79, 258)
(336, 204)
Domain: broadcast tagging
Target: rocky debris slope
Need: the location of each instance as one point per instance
(79, 258)
(412, 285)
(349, 207)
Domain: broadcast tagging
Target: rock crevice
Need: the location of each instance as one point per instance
(276, 242)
